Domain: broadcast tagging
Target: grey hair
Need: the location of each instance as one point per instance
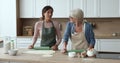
(77, 13)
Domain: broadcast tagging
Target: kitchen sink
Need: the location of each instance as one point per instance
(108, 55)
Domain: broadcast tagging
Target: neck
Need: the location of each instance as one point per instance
(47, 20)
(78, 23)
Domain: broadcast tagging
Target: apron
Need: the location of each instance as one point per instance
(79, 41)
(48, 36)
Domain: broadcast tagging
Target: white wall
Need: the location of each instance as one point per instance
(7, 18)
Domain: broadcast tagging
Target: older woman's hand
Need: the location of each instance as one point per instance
(64, 51)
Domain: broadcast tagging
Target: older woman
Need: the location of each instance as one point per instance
(79, 31)
(47, 29)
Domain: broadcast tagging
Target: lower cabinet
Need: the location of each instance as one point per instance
(24, 42)
(101, 45)
(108, 45)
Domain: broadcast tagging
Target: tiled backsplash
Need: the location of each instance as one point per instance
(103, 25)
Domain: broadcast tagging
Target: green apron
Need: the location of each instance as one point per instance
(48, 36)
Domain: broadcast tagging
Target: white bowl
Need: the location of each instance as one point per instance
(71, 54)
(13, 52)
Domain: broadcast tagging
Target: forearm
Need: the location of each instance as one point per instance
(65, 45)
(34, 40)
(91, 46)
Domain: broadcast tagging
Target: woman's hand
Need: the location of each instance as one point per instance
(31, 46)
(55, 47)
(64, 51)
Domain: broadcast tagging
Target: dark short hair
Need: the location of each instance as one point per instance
(46, 8)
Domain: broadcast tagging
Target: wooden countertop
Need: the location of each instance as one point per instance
(56, 58)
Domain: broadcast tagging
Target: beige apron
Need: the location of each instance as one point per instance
(79, 41)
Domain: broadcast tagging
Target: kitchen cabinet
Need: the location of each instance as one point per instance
(61, 8)
(24, 42)
(109, 8)
(89, 7)
(109, 45)
(74, 4)
(39, 4)
(26, 8)
(96, 44)
(8, 18)
(33, 8)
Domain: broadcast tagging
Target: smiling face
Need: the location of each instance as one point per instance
(48, 14)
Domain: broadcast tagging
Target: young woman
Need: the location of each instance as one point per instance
(47, 29)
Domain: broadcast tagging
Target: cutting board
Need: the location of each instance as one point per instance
(42, 48)
(42, 52)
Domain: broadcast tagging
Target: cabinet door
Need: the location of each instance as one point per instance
(61, 8)
(96, 44)
(91, 8)
(109, 45)
(39, 4)
(109, 8)
(26, 8)
(24, 42)
(74, 4)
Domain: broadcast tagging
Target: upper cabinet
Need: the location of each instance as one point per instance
(39, 4)
(33, 8)
(91, 8)
(109, 8)
(61, 8)
(26, 8)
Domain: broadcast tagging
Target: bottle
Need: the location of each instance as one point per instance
(12, 44)
(6, 44)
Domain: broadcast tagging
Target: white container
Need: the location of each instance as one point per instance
(71, 54)
(6, 47)
(91, 52)
(13, 52)
(12, 44)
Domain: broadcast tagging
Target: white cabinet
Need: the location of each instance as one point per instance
(109, 45)
(109, 8)
(26, 8)
(33, 8)
(8, 18)
(39, 4)
(61, 8)
(74, 4)
(96, 44)
(89, 7)
(24, 42)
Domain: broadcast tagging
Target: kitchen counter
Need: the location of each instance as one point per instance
(56, 58)
(106, 36)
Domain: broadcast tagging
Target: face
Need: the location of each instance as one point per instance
(48, 14)
(73, 19)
